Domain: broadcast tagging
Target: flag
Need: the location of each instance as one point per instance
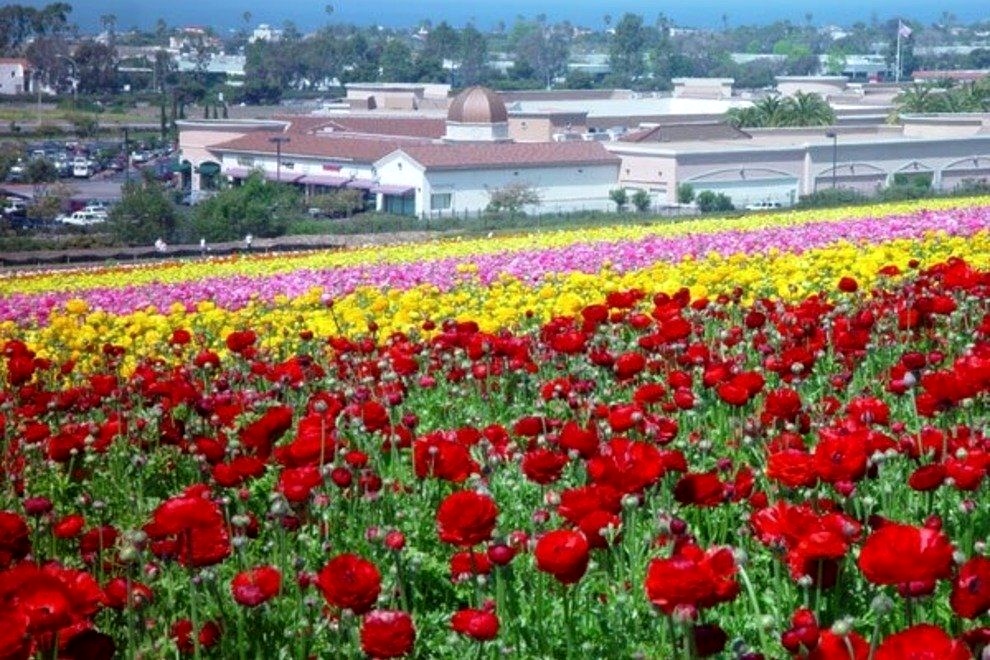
(903, 30)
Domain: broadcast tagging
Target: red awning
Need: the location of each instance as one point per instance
(361, 184)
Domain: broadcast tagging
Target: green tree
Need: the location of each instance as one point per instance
(97, 68)
(626, 48)
(807, 109)
(512, 199)
(257, 207)
(685, 193)
(545, 53)
(145, 214)
(472, 55)
(397, 62)
(40, 170)
(641, 200)
(620, 197)
(710, 201)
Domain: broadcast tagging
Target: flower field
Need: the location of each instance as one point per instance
(758, 437)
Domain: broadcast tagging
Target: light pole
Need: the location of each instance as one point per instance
(127, 155)
(835, 154)
(278, 140)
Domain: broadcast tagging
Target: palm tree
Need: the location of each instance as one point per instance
(807, 109)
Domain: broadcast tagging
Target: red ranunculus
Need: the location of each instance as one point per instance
(692, 578)
(563, 554)
(466, 518)
(543, 466)
(350, 582)
(256, 586)
(922, 642)
(902, 554)
(15, 538)
(836, 647)
(387, 634)
(481, 625)
(971, 589)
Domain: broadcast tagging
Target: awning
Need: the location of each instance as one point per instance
(238, 172)
(285, 177)
(318, 180)
(176, 166)
(209, 169)
(386, 189)
(361, 184)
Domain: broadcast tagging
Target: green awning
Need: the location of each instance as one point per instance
(209, 169)
(183, 167)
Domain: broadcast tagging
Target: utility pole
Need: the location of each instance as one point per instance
(278, 140)
(835, 155)
(127, 155)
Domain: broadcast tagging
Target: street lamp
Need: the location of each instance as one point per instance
(127, 155)
(835, 154)
(278, 140)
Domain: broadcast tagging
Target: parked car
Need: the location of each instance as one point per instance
(14, 207)
(764, 206)
(82, 218)
(82, 168)
(17, 171)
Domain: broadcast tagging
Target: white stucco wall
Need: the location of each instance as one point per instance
(11, 79)
(561, 188)
(294, 166)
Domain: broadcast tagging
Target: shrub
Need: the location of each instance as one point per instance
(512, 199)
(685, 193)
(145, 213)
(257, 207)
(709, 201)
(620, 197)
(641, 200)
(339, 203)
(828, 197)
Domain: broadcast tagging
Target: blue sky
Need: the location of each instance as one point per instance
(308, 14)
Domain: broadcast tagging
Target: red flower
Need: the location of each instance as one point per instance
(480, 625)
(241, 340)
(387, 634)
(563, 554)
(701, 489)
(195, 524)
(182, 630)
(922, 642)
(442, 458)
(692, 578)
(848, 285)
(117, 596)
(15, 538)
(256, 586)
(350, 582)
(628, 365)
(543, 466)
(835, 647)
(902, 554)
(466, 518)
(971, 589)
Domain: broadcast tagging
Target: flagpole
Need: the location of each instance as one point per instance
(897, 73)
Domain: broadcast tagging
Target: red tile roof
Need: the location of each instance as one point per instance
(480, 155)
(421, 127)
(346, 146)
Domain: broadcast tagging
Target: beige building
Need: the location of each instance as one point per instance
(780, 165)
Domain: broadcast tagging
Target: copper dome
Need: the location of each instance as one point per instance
(477, 105)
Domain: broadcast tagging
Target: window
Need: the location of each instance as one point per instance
(288, 164)
(441, 201)
(245, 161)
